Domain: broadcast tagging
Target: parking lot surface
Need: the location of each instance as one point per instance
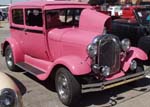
(37, 94)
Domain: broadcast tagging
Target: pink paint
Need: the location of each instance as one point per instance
(44, 48)
(134, 53)
(93, 21)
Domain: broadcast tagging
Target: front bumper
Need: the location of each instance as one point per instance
(113, 83)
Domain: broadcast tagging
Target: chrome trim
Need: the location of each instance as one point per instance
(117, 51)
(113, 83)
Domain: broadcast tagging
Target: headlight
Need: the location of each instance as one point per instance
(96, 40)
(133, 65)
(105, 71)
(9, 98)
(125, 44)
(92, 50)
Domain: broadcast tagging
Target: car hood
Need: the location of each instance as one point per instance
(80, 37)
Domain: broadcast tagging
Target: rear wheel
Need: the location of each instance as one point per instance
(67, 87)
(10, 59)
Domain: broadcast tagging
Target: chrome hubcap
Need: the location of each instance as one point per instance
(9, 59)
(63, 88)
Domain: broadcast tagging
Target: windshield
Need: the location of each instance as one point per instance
(144, 16)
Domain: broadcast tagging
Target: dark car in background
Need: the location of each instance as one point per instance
(134, 24)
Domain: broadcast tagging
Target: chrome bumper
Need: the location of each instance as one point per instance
(113, 83)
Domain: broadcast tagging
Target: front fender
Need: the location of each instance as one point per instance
(17, 52)
(76, 65)
(134, 53)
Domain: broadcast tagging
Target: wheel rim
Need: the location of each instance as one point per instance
(9, 59)
(62, 87)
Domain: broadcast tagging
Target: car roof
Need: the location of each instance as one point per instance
(45, 3)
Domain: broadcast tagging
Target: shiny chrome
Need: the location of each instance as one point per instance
(125, 44)
(96, 40)
(109, 52)
(9, 59)
(105, 71)
(92, 50)
(133, 65)
(63, 88)
(112, 83)
(96, 68)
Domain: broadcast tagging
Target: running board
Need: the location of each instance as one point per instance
(30, 69)
(113, 83)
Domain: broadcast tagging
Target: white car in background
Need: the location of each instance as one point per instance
(10, 95)
(115, 10)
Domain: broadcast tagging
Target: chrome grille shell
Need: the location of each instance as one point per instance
(109, 52)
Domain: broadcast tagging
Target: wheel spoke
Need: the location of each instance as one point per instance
(63, 87)
(9, 59)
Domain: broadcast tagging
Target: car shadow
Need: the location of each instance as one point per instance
(21, 87)
(106, 98)
(44, 83)
(112, 96)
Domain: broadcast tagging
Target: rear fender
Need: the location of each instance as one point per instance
(17, 52)
(76, 65)
(134, 53)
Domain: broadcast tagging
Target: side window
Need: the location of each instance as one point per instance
(17, 16)
(53, 18)
(34, 17)
(62, 18)
(73, 15)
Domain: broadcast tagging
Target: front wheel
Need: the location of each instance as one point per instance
(10, 59)
(67, 87)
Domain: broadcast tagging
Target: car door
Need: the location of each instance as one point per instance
(34, 38)
(16, 20)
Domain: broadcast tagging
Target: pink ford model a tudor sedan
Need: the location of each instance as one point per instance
(68, 42)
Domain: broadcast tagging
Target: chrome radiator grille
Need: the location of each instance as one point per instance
(109, 52)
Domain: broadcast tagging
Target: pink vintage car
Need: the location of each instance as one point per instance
(68, 43)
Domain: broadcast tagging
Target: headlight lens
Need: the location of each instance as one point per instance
(125, 44)
(9, 98)
(106, 71)
(133, 65)
(92, 50)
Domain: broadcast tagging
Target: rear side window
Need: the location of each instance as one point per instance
(17, 16)
(34, 17)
